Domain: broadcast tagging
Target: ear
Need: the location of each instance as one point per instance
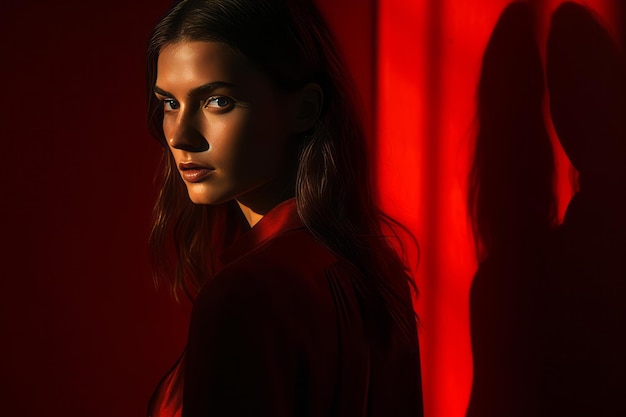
(310, 99)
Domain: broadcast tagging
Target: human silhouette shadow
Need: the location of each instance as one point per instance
(585, 279)
(511, 203)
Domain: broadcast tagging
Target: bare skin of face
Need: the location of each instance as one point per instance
(227, 126)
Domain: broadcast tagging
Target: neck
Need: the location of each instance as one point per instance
(257, 203)
(251, 216)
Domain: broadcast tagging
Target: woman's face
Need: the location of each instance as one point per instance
(225, 124)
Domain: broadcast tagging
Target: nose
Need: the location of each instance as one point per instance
(187, 135)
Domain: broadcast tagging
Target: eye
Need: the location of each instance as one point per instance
(169, 104)
(219, 102)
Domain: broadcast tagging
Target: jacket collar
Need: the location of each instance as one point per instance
(280, 220)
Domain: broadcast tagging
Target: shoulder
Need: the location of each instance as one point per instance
(289, 262)
(283, 278)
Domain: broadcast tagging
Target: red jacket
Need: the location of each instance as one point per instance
(278, 332)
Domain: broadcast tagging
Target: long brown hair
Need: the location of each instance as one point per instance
(289, 41)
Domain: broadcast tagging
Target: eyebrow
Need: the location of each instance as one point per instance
(202, 89)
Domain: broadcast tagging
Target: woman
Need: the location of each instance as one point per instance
(267, 221)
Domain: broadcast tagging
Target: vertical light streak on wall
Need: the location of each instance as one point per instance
(411, 155)
(430, 54)
(401, 104)
(429, 59)
(440, 321)
(465, 28)
(402, 161)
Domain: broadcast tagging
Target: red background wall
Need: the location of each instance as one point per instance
(429, 58)
(83, 330)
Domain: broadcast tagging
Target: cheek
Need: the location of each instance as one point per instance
(255, 142)
(270, 132)
(267, 147)
(228, 136)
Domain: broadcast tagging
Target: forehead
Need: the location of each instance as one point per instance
(187, 64)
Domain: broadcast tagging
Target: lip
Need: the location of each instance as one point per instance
(193, 172)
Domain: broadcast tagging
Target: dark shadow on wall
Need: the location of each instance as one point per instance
(585, 278)
(512, 206)
(548, 316)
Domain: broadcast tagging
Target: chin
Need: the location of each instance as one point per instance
(205, 197)
(205, 200)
